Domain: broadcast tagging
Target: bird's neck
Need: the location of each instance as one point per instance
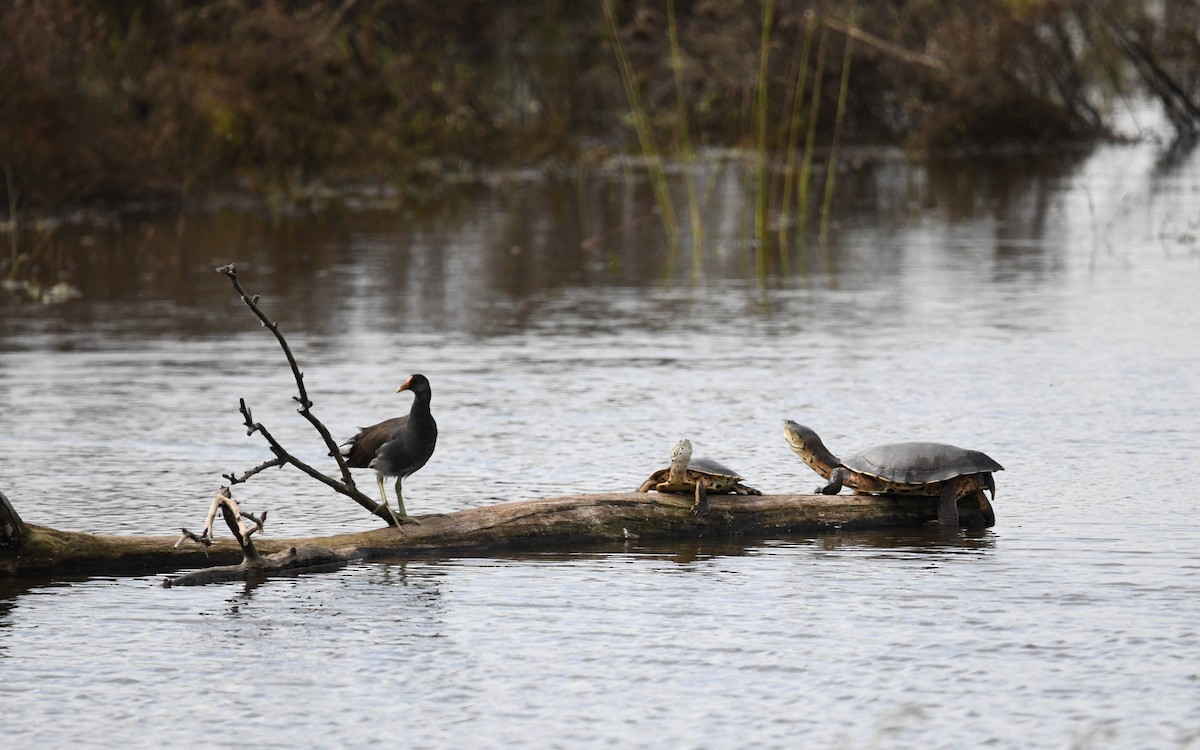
(419, 408)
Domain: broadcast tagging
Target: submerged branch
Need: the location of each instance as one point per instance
(252, 562)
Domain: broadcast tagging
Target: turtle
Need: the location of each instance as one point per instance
(696, 475)
(937, 469)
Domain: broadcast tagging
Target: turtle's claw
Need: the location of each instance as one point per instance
(700, 507)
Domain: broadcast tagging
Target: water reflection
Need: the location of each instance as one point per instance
(424, 584)
(924, 541)
(486, 258)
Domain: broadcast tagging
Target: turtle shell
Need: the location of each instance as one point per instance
(713, 468)
(720, 478)
(919, 463)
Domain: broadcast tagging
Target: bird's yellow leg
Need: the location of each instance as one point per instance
(400, 503)
(384, 503)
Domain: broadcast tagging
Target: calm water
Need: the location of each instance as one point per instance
(1045, 311)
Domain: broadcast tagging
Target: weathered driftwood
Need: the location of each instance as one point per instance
(253, 563)
(12, 528)
(548, 523)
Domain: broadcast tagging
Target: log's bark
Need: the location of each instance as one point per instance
(12, 528)
(554, 522)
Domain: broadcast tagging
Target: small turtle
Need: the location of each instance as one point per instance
(944, 471)
(687, 475)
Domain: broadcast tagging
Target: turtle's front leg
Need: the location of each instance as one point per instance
(700, 507)
(836, 477)
(948, 506)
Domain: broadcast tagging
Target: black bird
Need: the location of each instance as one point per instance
(397, 447)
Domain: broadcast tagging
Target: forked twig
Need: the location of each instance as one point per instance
(235, 519)
(252, 564)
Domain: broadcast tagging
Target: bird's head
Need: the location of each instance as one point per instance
(418, 384)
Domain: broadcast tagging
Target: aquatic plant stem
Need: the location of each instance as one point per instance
(685, 141)
(794, 123)
(814, 110)
(641, 124)
(761, 196)
(14, 255)
(839, 119)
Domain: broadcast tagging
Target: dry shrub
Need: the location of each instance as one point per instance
(135, 99)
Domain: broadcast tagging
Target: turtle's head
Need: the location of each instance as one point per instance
(681, 456)
(800, 438)
(682, 453)
(804, 441)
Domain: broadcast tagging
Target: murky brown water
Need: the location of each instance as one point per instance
(1045, 311)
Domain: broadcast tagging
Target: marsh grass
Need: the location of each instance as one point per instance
(793, 133)
(762, 202)
(641, 124)
(12, 225)
(683, 136)
(839, 120)
(781, 190)
(107, 102)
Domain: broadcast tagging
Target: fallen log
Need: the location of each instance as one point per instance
(548, 523)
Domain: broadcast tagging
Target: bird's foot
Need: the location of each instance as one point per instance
(391, 514)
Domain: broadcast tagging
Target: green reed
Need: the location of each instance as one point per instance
(801, 99)
(642, 126)
(793, 134)
(810, 138)
(838, 121)
(762, 203)
(685, 142)
(13, 253)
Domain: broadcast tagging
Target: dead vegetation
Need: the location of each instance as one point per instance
(118, 100)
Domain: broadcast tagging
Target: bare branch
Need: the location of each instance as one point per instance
(282, 455)
(192, 536)
(252, 563)
(233, 515)
(257, 469)
(230, 271)
(233, 519)
(249, 420)
(899, 53)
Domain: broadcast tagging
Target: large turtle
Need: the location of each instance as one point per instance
(698, 476)
(944, 471)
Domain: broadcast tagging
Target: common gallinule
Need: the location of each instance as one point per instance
(399, 446)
